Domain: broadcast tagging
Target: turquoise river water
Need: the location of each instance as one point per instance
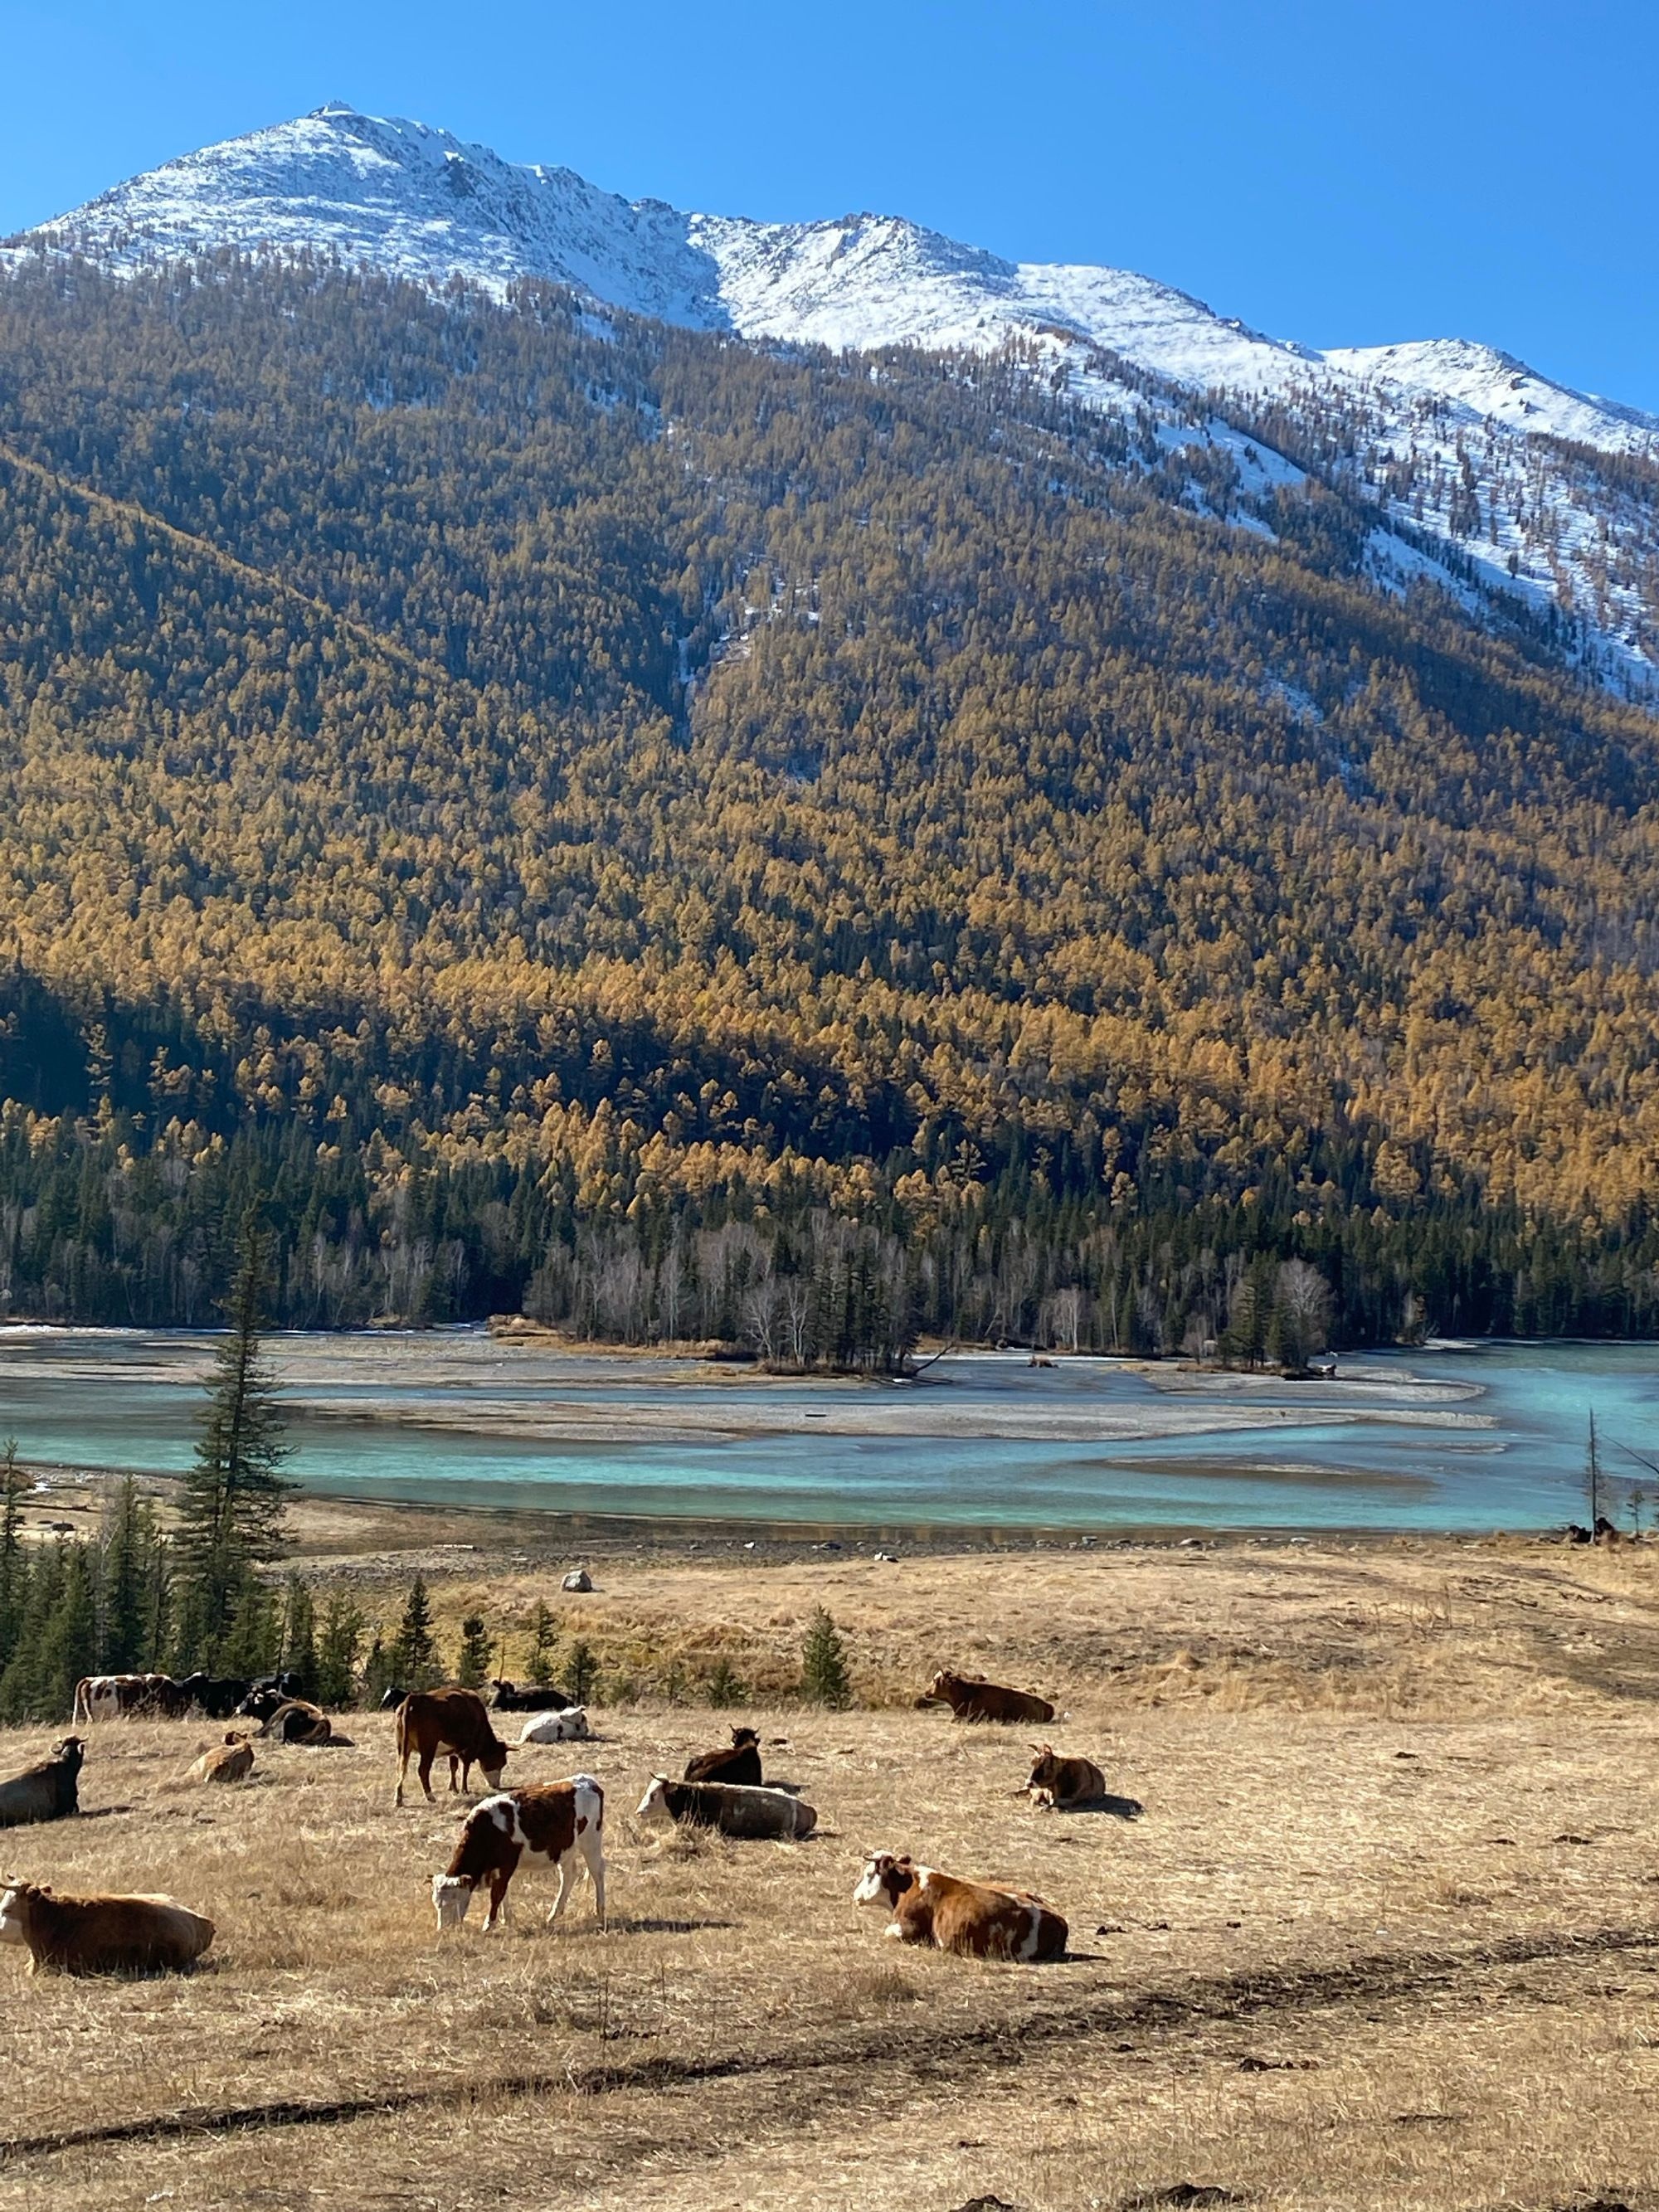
(1452, 1438)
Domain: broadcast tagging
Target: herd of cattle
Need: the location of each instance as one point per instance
(558, 1824)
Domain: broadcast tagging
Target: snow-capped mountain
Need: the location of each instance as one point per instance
(1462, 447)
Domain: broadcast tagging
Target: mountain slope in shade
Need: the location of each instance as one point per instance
(1443, 435)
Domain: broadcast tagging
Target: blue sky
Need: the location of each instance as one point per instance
(1344, 173)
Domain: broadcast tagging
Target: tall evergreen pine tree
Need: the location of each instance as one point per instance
(230, 1510)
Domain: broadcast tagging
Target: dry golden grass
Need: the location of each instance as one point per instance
(1387, 1933)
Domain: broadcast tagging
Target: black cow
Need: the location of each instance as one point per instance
(219, 1696)
(263, 1695)
(510, 1698)
(48, 1791)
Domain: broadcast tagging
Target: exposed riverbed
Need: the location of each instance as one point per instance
(1451, 1438)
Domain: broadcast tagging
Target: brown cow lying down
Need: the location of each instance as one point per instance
(740, 1763)
(50, 1791)
(970, 1700)
(1062, 1783)
(978, 1919)
(755, 1815)
(452, 1720)
(296, 1722)
(560, 1823)
(102, 1935)
(230, 1761)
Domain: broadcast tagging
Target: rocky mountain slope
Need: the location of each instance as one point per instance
(1532, 504)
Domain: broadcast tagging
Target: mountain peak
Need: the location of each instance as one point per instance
(412, 201)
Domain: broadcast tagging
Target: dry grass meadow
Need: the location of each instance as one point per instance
(1386, 1932)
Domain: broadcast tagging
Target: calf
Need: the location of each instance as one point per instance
(740, 1762)
(102, 1935)
(48, 1791)
(510, 1698)
(560, 1823)
(569, 1726)
(773, 1815)
(977, 1919)
(453, 1721)
(117, 1697)
(1063, 1784)
(230, 1761)
(970, 1700)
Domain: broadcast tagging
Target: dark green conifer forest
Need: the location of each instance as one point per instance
(688, 840)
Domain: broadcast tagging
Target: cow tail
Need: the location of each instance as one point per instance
(83, 1702)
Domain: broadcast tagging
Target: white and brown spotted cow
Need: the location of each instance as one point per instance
(560, 1824)
(121, 1697)
(977, 1919)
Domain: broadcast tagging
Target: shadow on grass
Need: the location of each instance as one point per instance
(1119, 1808)
(621, 1925)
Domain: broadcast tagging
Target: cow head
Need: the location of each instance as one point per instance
(884, 1880)
(744, 1738)
(451, 1895)
(17, 1899)
(393, 1699)
(72, 1751)
(653, 1805)
(260, 1704)
(1045, 1771)
(942, 1690)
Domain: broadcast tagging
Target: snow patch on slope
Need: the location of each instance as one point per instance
(1438, 434)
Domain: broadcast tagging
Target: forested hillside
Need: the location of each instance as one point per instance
(700, 839)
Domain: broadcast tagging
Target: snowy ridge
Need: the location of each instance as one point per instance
(1442, 435)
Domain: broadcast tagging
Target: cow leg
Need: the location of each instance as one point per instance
(498, 1883)
(424, 1771)
(594, 1851)
(402, 1776)
(465, 1774)
(569, 1875)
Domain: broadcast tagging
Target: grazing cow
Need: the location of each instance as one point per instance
(568, 1726)
(510, 1698)
(230, 1761)
(1063, 1784)
(970, 1700)
(102, 1935)
(454, 1721)
(217, 1697)
(560, 1823)
(769, 1816)
(296, 1722)
(978, 1919)
(48, 1791)
(739, 1762)
(118, 1697)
